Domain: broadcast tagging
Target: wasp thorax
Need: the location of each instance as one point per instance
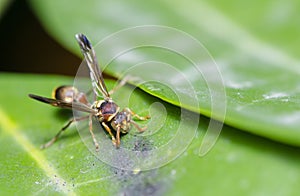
(107, 109)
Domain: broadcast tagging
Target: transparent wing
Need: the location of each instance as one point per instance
(62, 104)
(88, 52)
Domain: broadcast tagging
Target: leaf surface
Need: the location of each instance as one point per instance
(250, 164)
(257, 64)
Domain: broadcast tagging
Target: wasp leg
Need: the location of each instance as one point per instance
(140, 129)
(92, 133)
(118, 137)
(62, 130)
(110, 133)
(137, 116)
(120, 84)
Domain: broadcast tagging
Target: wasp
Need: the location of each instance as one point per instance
(114, 120)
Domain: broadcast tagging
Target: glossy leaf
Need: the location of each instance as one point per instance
(253, 51)
(239, 163)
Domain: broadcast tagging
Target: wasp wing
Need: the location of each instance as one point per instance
(62, 104)
(88, 52)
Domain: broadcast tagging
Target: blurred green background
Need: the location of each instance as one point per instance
(256, 47)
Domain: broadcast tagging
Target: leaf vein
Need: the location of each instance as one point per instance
(11, 128)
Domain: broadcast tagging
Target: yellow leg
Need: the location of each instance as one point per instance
(110, 133)
(118, 137)
(137, 116)
(55, 138)
(92, 133)
(120, 84)
(140, 129)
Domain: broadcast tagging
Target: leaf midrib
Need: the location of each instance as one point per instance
(11, 128)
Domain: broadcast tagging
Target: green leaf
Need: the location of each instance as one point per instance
(3, 5)
(252, 49)
(239, 163)
(68, 166)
